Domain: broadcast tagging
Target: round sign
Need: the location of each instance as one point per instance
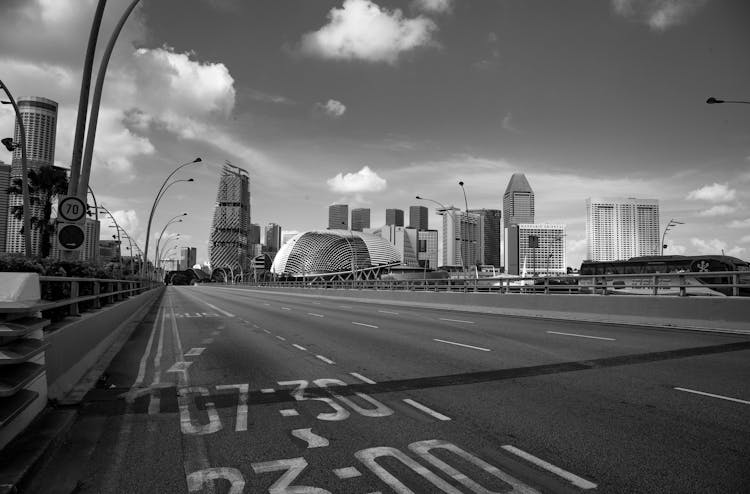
(71, 208)
(70, 237)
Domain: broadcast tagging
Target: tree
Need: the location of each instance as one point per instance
(45, 184)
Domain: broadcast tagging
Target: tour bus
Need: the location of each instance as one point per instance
(693, 272)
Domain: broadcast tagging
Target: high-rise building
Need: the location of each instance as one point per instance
(39, 116)
(188, 258)
(539, 247)
(4, 208)
(338, 217)
(254, 235)
(461, 239)
(405, 240)
(394, 217)
(490, 235)
(518, 201)
(418, 218)
(360, 219)
(229, 244)
(427, 248)
(273, 237)
(621, 228)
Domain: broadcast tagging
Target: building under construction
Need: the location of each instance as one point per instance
(229, 245)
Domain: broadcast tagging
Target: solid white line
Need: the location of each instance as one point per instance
(285, 308)
(267, 331)
(427, 410)
(316, 315)
(289, 412)
(281, 338)
(228, 314)
(326, 360)
(299, 347)
(728, 398)
(267, 390)
(582, 336)
(362, 378)
(363, 324)
(144, 359)
(461, 344)
(388, 312)
(570, 477)
(456, 320)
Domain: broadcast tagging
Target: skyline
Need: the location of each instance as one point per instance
(602, 99)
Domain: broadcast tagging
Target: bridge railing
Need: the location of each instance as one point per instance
(726, 283)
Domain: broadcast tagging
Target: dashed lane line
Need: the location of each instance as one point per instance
(345, 306)
(280, 338)
(365, 325)
(582, 336)
(388, 312)
(285, 308)
(267, 391)
(267, 331)
(326, 360)
(228, 314)
(194, 352)
(362, 378)
(425, 409)
(703, 393)
(456, 320)
(570, 477)
(463, 345)
(314, 314)
(299, 347)
(289, 412)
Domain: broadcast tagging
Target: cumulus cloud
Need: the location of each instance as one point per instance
(362, 30)
(715, 192)
(715, 246)
(331, 108)
(433, 6)
(658, 14)
(745, 239)
(739, 223)
(718, 210)
(364, 180)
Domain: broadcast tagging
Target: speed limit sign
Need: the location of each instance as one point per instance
(71, 208)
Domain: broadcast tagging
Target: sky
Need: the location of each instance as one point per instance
(372, 103)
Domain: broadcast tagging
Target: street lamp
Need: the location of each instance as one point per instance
(715, 101)
(466, 203)
(175, 219)
(450, 211)
(672, 222)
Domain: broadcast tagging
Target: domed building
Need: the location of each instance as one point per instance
(335, 254)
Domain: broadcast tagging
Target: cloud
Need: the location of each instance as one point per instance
(739, 223)
(713, 193)
(433, 6)
(331, 108)
(718, 210)
(269, 98)
(507, 123)
(364, 180)
(745, 239)
(715, 246)
(361, 30)
(675, 250)
(658, 14)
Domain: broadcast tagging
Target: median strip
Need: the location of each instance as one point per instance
(463, 345)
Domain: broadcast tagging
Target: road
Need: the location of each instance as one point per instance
(225, 389)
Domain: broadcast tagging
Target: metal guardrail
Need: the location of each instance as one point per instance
(725, 283)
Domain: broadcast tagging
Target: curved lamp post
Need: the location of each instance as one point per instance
(715, 101)
(175, 219)
(672, 222)
(450, 211)
(466, 203)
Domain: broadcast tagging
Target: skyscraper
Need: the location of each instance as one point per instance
(418, 218)
(461, 238)
(273, 237)
(518, 201)
(4, 208)
(394, 217)
(39, 116)
(427, 248)
(622, 228)
(188, 258)
(538, 246)
(490, 235)
(360, 219)
(338, 217)
(228, 244)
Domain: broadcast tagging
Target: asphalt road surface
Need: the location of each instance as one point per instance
(226, 389)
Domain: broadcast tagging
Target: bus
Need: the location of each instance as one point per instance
(677, 275)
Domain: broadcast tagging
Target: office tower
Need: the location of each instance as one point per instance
(39, 116)
(490, 235)
(254, 234)
(461, 237)
(228, 244)
(518, 201)
(405, 240)
(539, 247)
(418, 218)
(394, 217)
(188, 258)
(622, 228)
(338, 217)
(273, 237)
(4, 208)
(427, 248)
(360, 219)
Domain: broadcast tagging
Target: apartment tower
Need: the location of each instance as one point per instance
(621, 228)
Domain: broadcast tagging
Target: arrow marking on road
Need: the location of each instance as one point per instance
(313, 440)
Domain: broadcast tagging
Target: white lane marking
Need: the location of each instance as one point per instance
(388, 312)
(180, 367)
(313, 440)
(266, 303)
(154, 404)
(207, 341)
(570, 477)
(144, 359)
(456, 320)
(362, 378)
(427, 410)
(345, 306)
(347, 473)
(316, 303)
(285, 308)
(281, 338)
(267, 331)
(728, 398)
(194, 352)
(314, 314)
(228, 314)
(215, 333)
(582, 336)
(256, 326)
(243, 390)
(461, 344)
(289, 412)
(299, 347)
(326, 360)
(267, 390)
(196, 481)
(363, 324)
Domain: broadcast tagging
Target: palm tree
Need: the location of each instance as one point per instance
(46, 183)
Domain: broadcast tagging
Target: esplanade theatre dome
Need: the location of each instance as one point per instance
(321, 252)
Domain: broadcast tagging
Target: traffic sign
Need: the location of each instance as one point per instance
(70, 236)
(71, 208)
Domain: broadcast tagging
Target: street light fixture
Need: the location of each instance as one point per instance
(672, 222)
(175, 219)
(716, 101)
(466, 203)
(450, 211)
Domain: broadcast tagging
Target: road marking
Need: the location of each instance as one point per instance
(228, 314)
(255, 326)
(347, 473)
(207, 341)
(298, 347)
(388, 312)
(427, 410)
(728, 398)
(154, 404)
(194, 352)
(313, 440)
(363, 324)
(215, 333)
(314, 314)
(456, 320)
(281, 338)
(264, 303)
(267, 390)
(582, 336)
(243, 390)
(267, 331)
(289, 412)
(461, 344)
(180, 367)
(326, 360)
(345, 306)
(285, 308)
(362, 378)
(570, 477)
(144, 359)
(316, 303)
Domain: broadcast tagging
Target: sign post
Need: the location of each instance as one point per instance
(70, 213)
